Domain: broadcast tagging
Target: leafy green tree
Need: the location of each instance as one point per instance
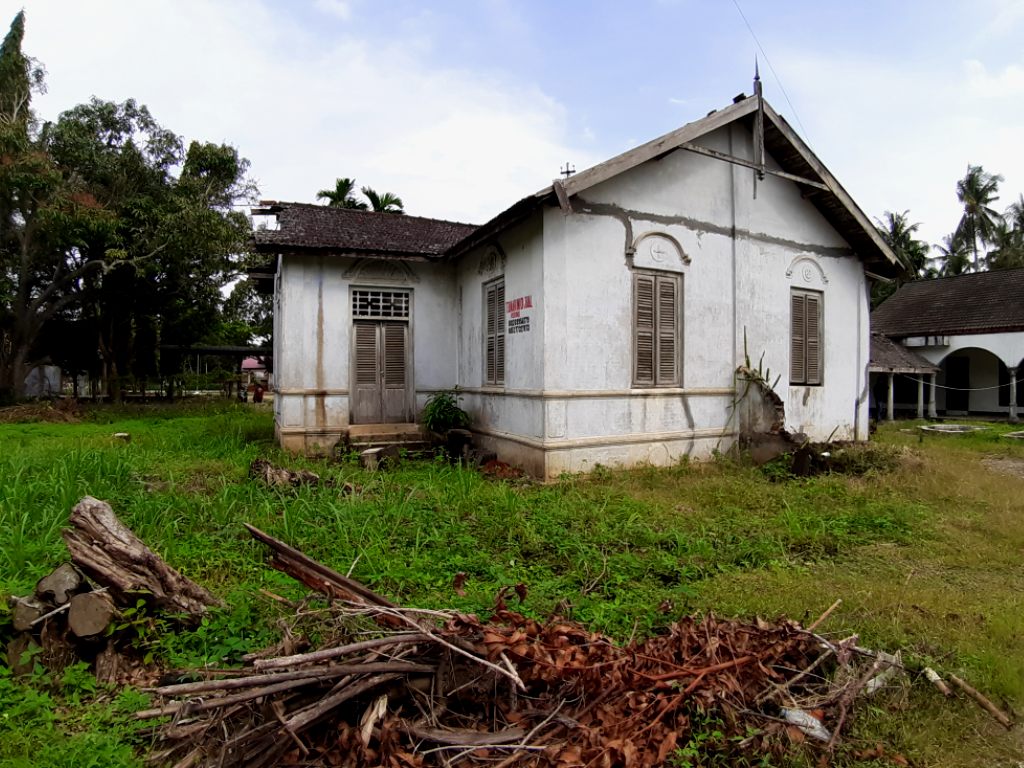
(44, 218)
(384, 203)
(174, 234)
(342, 196)
(977, 190)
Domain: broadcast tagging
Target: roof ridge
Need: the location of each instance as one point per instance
(357, 211)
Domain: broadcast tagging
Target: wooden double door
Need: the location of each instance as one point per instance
(381, 380)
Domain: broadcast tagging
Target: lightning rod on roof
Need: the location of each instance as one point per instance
(567, 170)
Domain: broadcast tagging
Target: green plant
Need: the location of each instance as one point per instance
(442, 412)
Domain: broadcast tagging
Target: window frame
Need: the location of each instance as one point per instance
(493, 370)
(657, 330)
(805, 336)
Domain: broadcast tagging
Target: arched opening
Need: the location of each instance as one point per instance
(972, 381)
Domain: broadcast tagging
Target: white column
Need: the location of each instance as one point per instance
(1013, 394)
(888, 413)
(932, 413)
(920, 397)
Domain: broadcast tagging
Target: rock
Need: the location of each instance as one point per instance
(379, 458)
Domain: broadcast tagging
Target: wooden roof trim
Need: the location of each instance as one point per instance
(583, 180)
(830, 181)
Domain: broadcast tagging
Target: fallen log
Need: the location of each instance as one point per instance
(91, 614)
(59, 585)
(24, 612)
(114, 557)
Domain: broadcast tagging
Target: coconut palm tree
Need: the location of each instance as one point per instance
(342, 196)
(976, 192)
(898, 233)
(954, 256)
(1007, 245)
(384, 203)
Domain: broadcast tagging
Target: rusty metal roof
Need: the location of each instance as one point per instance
(887, 356)
(981, 302)
(303, 227)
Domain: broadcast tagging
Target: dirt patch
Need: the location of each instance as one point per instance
(61, 411)
(1005, 466)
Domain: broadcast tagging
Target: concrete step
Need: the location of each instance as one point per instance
(385, 433)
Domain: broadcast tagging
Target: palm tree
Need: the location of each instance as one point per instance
(954, 255)
(898, 233)
(1015, 214)
(976, 191)
(385, 203)
(1008, 245)
(342, 196)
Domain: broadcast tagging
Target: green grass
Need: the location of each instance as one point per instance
(926, 556)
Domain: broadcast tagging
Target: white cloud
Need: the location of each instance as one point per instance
(305, 109)
(338, 8)
(899, 135)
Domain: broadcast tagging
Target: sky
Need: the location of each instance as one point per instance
(462, 108)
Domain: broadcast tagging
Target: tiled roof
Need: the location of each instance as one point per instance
(307, 227)
(888, 356)
(981, 302)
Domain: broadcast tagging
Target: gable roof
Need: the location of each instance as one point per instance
(889, 357)
(308, 228)
(981, 302)
(798, 163)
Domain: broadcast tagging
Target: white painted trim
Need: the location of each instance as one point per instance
(600, 441)
(311, 392)
(573, 394)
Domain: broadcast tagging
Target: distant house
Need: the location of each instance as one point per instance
(972, 328)
(601, 320)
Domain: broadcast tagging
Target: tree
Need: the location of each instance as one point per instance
(898, 233)
(173, 238)
(954, 256)
(342, 196)
(977, 190)
(1007, 247)
(384, 203)
(44, 218)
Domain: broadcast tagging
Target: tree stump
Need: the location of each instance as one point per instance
(114, 557)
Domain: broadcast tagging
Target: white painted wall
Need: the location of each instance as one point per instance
(312, 339)
(985, 351)
(567, 402)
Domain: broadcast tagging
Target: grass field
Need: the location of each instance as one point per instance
(926, 554)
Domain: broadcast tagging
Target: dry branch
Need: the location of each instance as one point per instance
(983, 702)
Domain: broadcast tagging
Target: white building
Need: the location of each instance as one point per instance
(972, 327)
(601, 320)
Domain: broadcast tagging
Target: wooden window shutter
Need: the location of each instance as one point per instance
(797, 347)
(812, 338)
(499, 333)
(643, 329)
(366, 353)
(494, 333)
(667, 332)
(394, 354)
